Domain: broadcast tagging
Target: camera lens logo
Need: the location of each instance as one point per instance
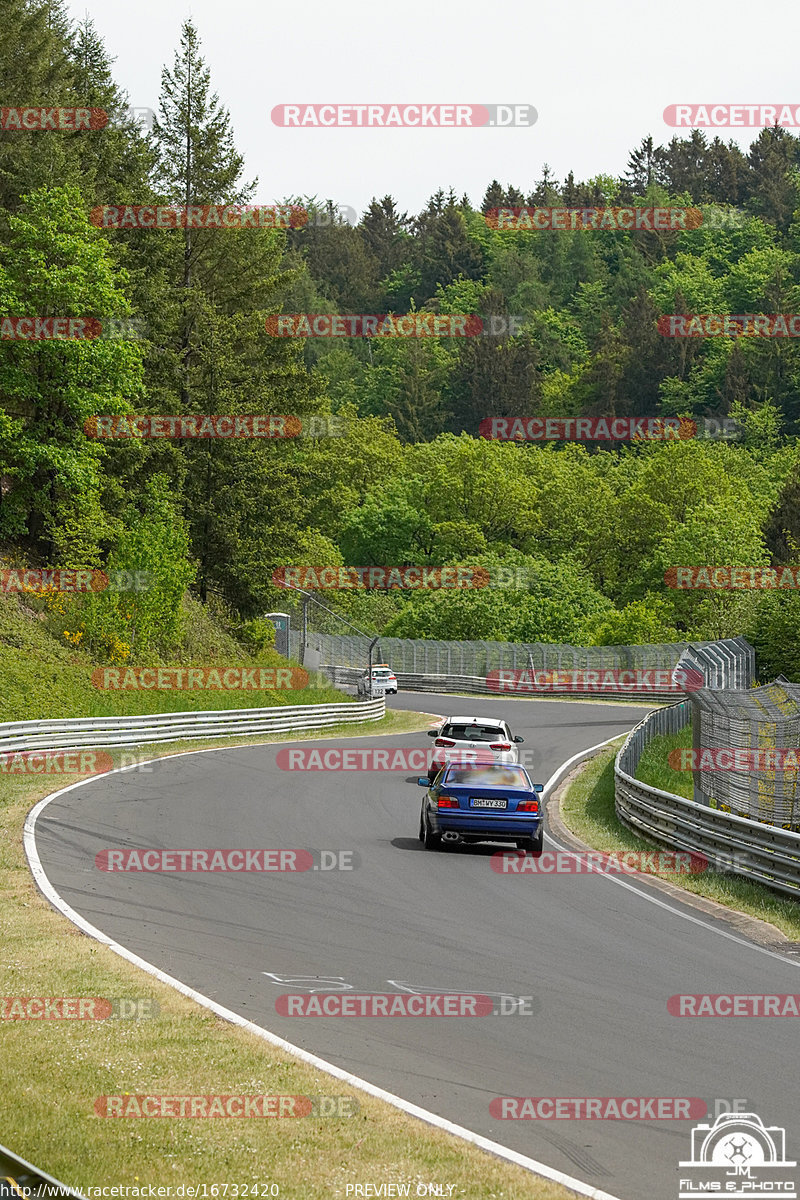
(737, 1155)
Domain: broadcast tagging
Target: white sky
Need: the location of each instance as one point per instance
(599, 74)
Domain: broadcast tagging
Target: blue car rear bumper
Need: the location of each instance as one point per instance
(483, 824)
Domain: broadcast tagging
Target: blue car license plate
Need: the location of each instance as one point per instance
(482, 802)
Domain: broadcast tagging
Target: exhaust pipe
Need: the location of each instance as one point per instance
(450, 836)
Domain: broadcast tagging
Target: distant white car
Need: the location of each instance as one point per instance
(384, 681)
(467, 740)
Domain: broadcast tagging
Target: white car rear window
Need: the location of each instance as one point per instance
(474, 733)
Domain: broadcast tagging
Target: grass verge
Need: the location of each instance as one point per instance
(54, 1070)
(42, 678)
(587, 809)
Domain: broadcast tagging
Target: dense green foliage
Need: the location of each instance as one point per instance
(586, 532)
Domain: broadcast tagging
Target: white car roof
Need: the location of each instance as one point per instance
(474, 721)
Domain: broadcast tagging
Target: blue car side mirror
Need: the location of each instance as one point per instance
(423, 781)
(538, 787)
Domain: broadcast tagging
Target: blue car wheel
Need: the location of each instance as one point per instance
(430, 840)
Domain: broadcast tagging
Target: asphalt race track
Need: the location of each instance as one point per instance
(600, 957)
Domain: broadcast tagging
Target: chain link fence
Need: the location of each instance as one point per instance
(727, 663)
(762, 719)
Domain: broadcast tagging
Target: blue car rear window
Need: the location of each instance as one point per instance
(489, 776)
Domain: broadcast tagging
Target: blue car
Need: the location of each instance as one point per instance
(492, 803)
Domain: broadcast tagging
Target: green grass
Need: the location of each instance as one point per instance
(41, 677)
(587, 808)
(654, 769)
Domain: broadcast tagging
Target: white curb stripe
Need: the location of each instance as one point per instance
(467, 1135)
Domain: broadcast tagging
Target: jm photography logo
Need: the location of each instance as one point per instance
(202, 679)
(110, 427)
(730, 325)
(593, 862)
(151, 861)
(398, 1004)
(738, 1156)
(403, 116)
(381, 578)
(347, 325)
(732, 578)
(76, 1008)
(55, 762)
(198, 216)
(70, 120)
(729, 116)
(600, 681)
(225, 1105)
(597, 1108)
(627, 220)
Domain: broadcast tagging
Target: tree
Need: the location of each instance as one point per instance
(55, 264)
(385, 233)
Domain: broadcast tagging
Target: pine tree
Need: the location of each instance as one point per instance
(34, 51)
(493, 197)
(384, 231)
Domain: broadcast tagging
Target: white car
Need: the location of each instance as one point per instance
(472, 740)
(384, 681)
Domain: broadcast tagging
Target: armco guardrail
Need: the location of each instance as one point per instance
(765, 853)
(478, 683)
(70, 734)
(25, 1180)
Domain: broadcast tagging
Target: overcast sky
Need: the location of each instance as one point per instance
(599, 74)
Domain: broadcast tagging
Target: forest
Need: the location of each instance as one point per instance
(581, 539)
